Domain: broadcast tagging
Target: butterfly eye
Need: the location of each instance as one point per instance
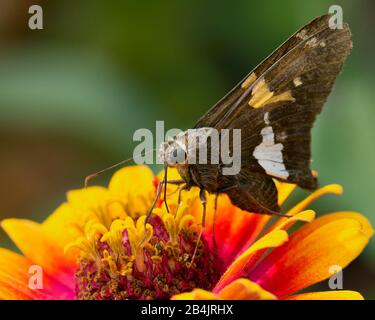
(178, 155)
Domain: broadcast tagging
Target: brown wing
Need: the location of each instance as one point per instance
(282, 67)
(276, 105)
(253, 192)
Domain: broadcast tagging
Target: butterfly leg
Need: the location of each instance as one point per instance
(203, 199)
(183, 188)
(158, 193)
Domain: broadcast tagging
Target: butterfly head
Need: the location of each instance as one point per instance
(173, 152)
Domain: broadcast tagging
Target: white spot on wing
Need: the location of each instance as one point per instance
(269, 154)
(266, 118)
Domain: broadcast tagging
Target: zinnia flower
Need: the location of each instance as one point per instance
(96, 246)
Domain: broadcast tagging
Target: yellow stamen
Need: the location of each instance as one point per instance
(114, 237)
(139, 235)
(175, 223)
(88, 242)
(110, 261)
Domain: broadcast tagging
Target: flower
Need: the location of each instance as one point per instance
(97, 246)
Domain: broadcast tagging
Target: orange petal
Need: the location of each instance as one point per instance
(334, 239)
(238, 267)
(41, 250)
(235, 230)
(244, 289)
(14, 278)
(15, 274)
(134, 185)
(334, 189)
(328, 295)
(196, 294)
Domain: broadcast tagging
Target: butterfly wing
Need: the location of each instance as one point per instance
(276, 104)
(232, 103)
(252, 191)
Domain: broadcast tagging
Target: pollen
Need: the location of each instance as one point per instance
(134, 260)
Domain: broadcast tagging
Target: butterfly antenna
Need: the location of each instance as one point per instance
(165, 186)
(95, 174)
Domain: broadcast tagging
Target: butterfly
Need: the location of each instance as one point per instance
(274, 107)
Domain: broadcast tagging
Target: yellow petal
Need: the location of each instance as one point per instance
(196, 294)
(334, 189)
(172, 189)
(63, 225)
(87, 198)
(172, 174)
(240, 289)
(134, 185)
(328, 295)
(91, 203)
(286, 223)
(284, 190)
(364, 224)
(244, 289)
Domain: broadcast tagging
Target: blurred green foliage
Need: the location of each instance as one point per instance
(72, 95)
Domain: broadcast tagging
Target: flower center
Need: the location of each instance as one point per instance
(134, 261)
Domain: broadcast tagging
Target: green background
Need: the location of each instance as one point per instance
(72, 95)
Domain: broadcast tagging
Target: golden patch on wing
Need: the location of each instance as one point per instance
(249, 80)
(285, 96)
(262, 95)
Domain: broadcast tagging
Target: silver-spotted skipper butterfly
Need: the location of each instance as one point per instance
(274, 106)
